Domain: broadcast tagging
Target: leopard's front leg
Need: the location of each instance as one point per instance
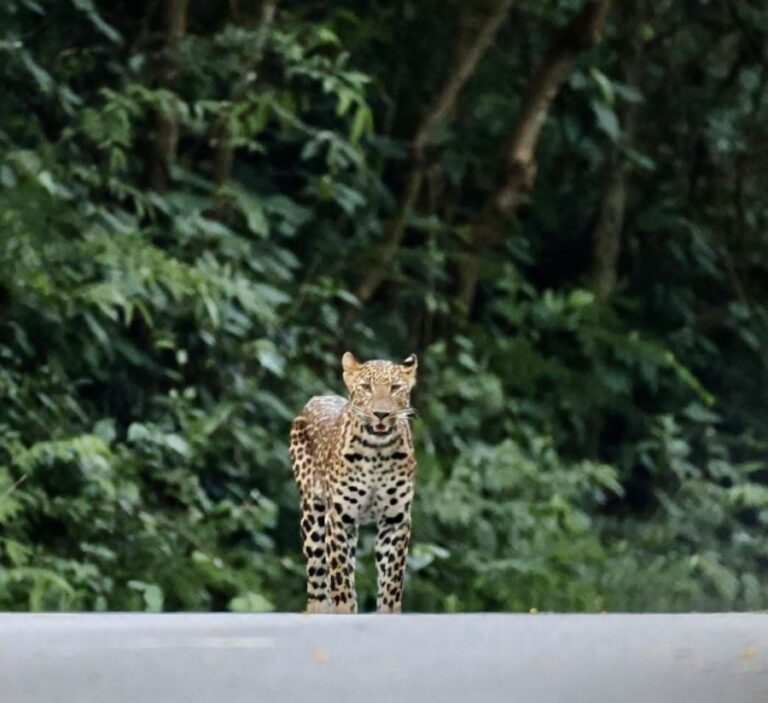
(394, 534)
(341, 545)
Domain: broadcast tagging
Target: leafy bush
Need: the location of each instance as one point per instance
(155, 342)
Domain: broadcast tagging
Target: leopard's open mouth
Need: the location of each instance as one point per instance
(380, 428)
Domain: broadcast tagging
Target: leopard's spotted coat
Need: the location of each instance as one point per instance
(353, 463)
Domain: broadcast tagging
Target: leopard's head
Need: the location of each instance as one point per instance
(380, 391)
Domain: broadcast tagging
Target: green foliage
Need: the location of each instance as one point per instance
(155, 343)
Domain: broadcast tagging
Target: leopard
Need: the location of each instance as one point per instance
(353, 461)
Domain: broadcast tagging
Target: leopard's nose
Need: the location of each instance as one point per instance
(380, 415)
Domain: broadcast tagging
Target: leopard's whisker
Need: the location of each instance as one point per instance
(358, 411)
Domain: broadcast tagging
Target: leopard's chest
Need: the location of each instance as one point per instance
(374, 476)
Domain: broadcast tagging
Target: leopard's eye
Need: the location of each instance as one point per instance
(366, 387)
(397, 387)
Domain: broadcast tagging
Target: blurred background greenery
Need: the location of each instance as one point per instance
(559, 206)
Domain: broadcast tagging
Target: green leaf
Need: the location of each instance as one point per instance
(177, 443)
(44, 80)
(604, 84)
(250, 602)
(361, 123)
(138, 432)
(255, 216)
(96, 19)
(607, 120)
(152, 594)
(105, 430)
(269, 357)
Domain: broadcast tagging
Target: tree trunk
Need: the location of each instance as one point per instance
(610, 221)
(519, 172)
(463, 68)
(603, 274)
(166, 121)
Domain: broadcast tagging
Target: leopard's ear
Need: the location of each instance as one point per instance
(351, 368)
(409, 366)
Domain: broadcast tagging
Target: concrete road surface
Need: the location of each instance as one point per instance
(201, 658)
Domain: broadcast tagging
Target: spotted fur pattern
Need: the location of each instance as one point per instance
(353, 463)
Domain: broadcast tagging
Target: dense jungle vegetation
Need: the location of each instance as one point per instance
(559, 205)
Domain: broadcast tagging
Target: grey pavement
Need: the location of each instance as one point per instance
(275, 658)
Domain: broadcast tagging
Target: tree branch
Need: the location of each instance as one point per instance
(519, 172)
(463, 70)
(440, 110)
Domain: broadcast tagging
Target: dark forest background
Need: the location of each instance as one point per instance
(559, 205)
